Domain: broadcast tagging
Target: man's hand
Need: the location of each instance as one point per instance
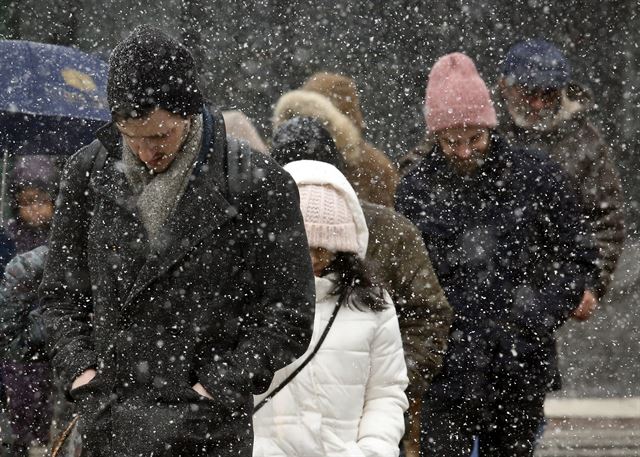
(586, 308)
(199, 388)
(84, 378)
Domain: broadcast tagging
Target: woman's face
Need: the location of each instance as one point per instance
(35, 207)
(321, 259)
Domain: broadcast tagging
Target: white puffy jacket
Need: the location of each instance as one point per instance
(349, 400)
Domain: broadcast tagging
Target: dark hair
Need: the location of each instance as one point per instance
(356, 286)
(305, 138)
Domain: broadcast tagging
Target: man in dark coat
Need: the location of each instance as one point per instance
(543, 109)
(178, 278)
(504, 234)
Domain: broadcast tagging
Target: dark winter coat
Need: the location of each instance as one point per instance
(226, 301)
(578, 147)
(510, 252)
(24, 365)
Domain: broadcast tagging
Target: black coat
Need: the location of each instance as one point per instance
(226, 302)
(511, 253)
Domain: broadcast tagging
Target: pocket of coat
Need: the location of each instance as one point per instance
(82, 391)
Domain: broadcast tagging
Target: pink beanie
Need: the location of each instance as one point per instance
(457, 96)
(328, 220)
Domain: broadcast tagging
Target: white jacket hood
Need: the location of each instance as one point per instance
(312, 172)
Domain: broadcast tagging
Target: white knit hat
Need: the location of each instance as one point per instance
(333, 218)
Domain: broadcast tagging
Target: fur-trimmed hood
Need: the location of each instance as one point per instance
(576, 100)
(342, 92)
(305, 103)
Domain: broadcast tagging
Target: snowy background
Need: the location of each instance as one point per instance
(252, 52)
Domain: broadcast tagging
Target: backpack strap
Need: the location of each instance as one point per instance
(239, 157)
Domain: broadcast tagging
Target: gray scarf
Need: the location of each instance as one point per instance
(158, 194)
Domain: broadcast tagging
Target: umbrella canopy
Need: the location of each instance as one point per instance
(52, 98)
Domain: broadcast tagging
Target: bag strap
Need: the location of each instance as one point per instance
(289, 378)
(239, 156)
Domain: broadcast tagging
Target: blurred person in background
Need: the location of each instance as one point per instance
(544, 109)
(33, 190)
(333, 99)
(24, 366)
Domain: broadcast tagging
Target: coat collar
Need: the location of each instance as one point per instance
(199, 212)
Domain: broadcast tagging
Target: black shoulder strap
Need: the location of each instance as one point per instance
(97, 163)
(239, 156)
(289, 378)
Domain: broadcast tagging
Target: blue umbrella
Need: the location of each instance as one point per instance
(52, 98)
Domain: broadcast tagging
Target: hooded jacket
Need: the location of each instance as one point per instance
(579, 148)
(369, 171)
(225, 300)
(349, 400)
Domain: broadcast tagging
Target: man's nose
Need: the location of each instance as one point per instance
(146, 151)
(463, 151)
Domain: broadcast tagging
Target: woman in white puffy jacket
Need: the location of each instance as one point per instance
(349, 400)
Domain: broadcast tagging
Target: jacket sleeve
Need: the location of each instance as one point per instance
(423, 310)
(65, 290)
(382, 424)
(566, 264)
(21, 326)
(604, 193)
(277, 284)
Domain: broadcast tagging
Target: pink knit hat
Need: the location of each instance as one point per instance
(328, 220)
(457, 96)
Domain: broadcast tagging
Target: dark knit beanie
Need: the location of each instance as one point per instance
(305, 138)
(150, 69)
(536, 64)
